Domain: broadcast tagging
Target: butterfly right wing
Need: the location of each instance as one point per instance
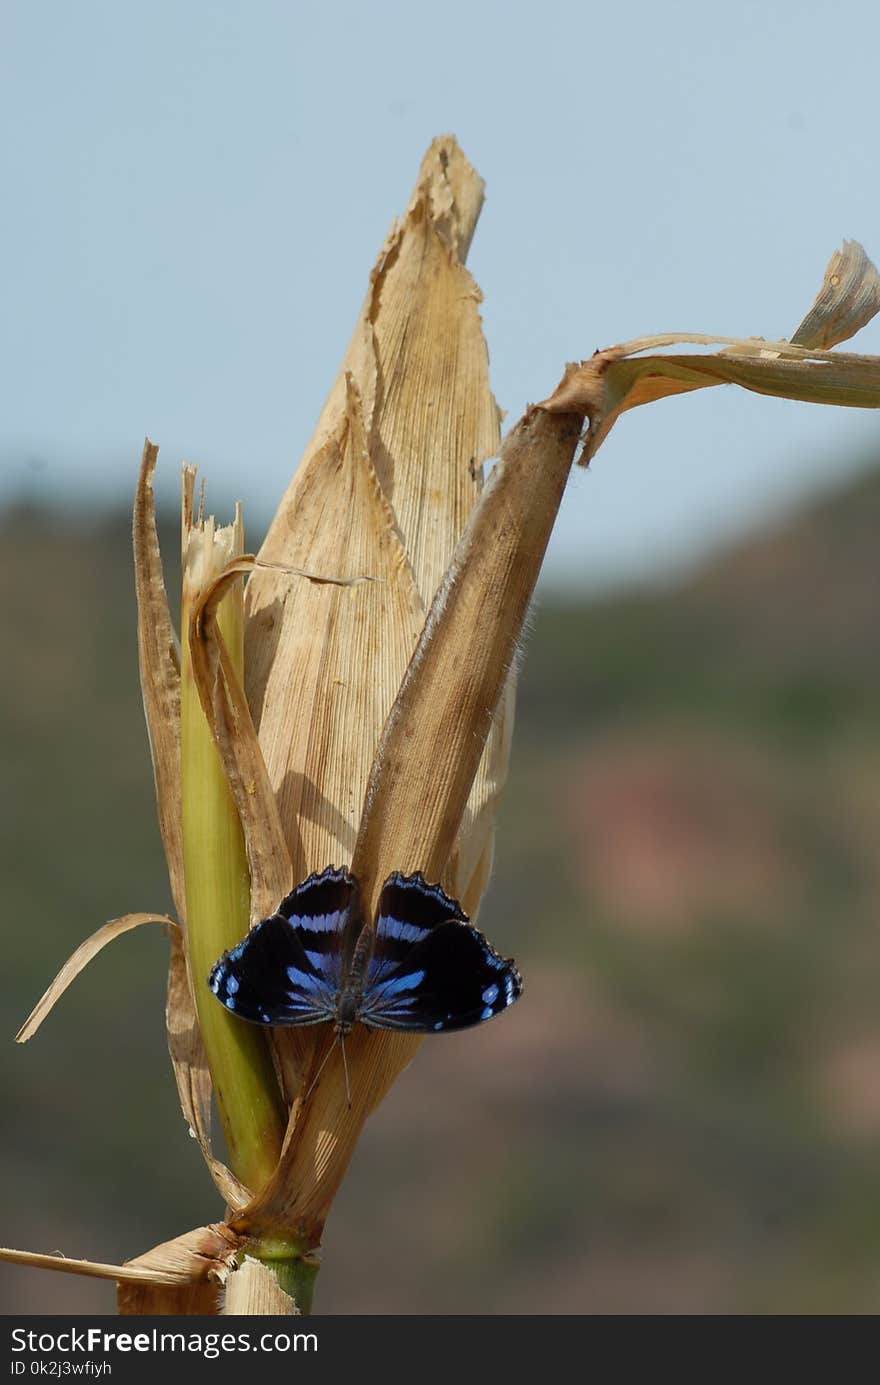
(288, 970)
(452, 979)
(430, 971)
(408, 910)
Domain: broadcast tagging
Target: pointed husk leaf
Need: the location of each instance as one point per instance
(386, 485)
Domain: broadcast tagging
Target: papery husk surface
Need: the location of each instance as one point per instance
(394, 468)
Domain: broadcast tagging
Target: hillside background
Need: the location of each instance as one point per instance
(682, 1114)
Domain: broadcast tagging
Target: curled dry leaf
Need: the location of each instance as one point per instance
(80, 959)
(848, 299)
(621, 378)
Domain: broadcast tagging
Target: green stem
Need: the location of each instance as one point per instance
(246, 1091)
(293, 1267)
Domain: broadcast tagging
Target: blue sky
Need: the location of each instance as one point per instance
(195, 193)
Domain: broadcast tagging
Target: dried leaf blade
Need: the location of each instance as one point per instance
(80, 959)
(160, 673)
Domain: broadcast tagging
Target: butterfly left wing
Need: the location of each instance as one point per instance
(288, 970)
(431, 971)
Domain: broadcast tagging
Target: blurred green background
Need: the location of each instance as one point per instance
(682, 1114)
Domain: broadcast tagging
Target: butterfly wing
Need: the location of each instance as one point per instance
(431, 971)
(288, 970)
(408, 909)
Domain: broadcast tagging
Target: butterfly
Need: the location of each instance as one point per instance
(422, 968)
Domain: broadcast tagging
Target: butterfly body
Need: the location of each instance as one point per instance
(351, 993)
(419, 966)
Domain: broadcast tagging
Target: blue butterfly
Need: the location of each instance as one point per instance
(422, 969)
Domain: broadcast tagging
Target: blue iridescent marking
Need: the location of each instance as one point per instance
(490, 995)
(409, 982)
(406, 932)
(300, 977)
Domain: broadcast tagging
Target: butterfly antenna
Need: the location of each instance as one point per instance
(314, 1081)
(345, 1068)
